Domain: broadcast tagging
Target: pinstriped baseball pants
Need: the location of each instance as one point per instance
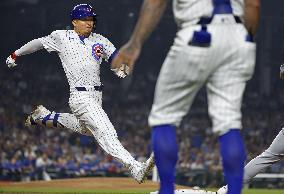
(89, 115)
(223, 68)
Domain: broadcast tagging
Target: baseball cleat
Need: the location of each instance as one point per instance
(39, 113)
(223, 190)
(29, 121)
(140, 171)
(148, 167)
(189, 191)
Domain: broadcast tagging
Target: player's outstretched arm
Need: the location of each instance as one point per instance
(28, 48)
(252, 9)
(150, 15)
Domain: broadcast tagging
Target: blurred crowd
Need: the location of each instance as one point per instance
(41, 153)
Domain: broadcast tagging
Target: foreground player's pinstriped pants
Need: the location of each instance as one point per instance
(224, 68)
(89, 115)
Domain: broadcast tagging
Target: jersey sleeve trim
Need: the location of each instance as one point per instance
(112, 55)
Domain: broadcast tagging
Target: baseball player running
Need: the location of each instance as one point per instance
(81, 52)
(212, 48)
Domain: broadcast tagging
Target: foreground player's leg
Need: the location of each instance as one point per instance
(166, 155)
(233, 158)
(106, 137)
(224, 99)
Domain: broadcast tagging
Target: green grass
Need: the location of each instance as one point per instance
(130, 191)
(263, 191)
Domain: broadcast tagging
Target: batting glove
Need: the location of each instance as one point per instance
(121, 72)
(282, 71)
(11, 60)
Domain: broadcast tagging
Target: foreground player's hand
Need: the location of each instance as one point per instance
(11, 60)
(282, 71)
(122, 71)
(128, 55)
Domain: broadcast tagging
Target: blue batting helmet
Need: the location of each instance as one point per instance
(82, 11)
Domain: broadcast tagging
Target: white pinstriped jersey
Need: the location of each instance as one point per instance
(189, 11)
(80, 59)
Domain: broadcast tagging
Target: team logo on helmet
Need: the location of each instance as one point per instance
(97, 51)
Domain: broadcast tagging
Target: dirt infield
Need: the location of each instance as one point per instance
(81, 184)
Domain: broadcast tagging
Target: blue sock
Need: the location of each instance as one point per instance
(233, 157)
(166, 155)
